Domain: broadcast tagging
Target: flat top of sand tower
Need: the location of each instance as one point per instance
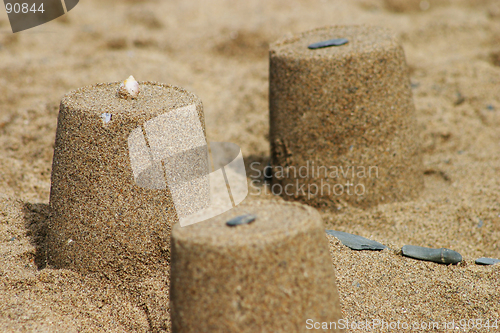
(361, 39)
(154, 98)
(274, 221)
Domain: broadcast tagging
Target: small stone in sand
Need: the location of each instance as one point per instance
(487, 261)
(327, 43)
(106, 117)
(440, 256)
(268, 172)
(355, 242)
(242, 219)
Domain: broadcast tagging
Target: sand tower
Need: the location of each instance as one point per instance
(270, 275)
(342, 124)
(117, 148)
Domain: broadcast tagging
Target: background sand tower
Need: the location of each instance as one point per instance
(267, 276)
(342, 119)
(111, 211)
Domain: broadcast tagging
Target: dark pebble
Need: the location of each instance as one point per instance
(441, 256)
(268, 172)
(12, 239)
(242, 219)
(355, 242)
(459, 100)
(487, 261)
(327, 43)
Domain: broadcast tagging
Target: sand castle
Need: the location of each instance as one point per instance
(270, 275)
(111, 211)
(342, 125)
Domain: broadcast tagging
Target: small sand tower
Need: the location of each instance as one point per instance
(270, 275)
(117, 147)
(342, 124)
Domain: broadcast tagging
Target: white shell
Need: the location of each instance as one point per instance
(132, 86)
(129, 88)
(106, 117)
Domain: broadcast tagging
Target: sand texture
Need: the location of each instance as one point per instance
(218, 50)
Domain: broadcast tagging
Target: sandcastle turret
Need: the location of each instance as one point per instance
(127, 161)
(260, 267)
(342, 123)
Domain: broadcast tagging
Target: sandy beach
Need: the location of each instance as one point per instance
(218, 50)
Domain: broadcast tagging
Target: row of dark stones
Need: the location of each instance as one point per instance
(440, 256)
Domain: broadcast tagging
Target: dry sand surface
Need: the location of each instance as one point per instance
(218, 50)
